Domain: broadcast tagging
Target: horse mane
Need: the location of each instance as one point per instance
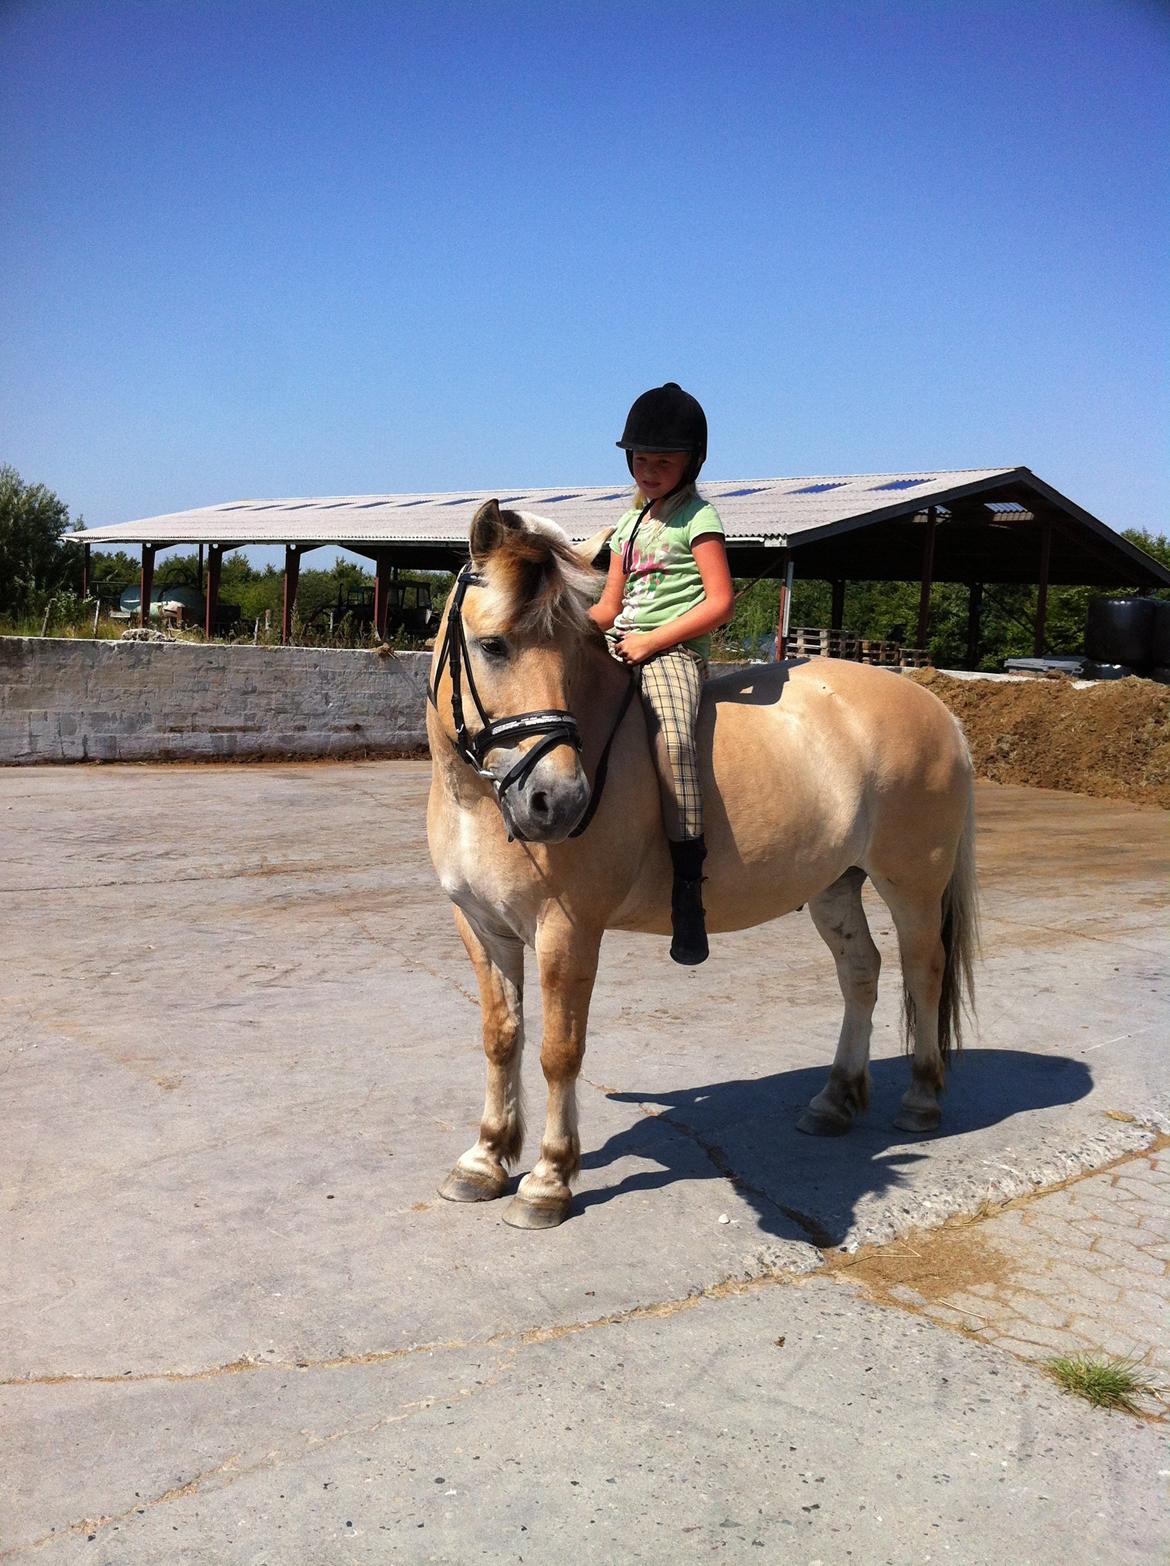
(539, 582)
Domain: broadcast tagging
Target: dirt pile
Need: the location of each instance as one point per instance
(1111, 739)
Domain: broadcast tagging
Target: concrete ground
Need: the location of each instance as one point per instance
(240, 1050)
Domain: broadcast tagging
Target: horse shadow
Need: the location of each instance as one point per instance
(808, 1188)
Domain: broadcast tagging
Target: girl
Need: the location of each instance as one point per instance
(669, 587)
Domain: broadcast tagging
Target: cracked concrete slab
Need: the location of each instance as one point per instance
(780, 1422)
(240, 1049)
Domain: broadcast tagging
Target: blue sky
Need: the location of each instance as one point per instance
(280, 248)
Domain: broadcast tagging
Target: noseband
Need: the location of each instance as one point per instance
(556, 725)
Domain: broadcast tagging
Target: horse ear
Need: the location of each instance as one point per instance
(488, 528)
(591, 549)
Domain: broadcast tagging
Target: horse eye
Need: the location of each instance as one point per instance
(494, 647)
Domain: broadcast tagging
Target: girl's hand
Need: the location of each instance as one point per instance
(635, 646)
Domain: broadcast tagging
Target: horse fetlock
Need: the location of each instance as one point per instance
(500, 1141)
(560, 1159)
(850, 1089)
(843, 1095)
(928, 1078)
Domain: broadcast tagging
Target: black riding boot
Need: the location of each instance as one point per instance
(689, 945)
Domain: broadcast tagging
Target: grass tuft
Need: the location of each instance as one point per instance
(1104, 1382)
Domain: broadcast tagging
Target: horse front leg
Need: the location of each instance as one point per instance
(568, 967)
(482, 1172)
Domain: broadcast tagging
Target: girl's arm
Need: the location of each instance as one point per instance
(716, 609)
(607, 608)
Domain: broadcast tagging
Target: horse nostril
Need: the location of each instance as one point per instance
(539, 803)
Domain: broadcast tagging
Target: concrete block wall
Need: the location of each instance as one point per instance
(65, 700)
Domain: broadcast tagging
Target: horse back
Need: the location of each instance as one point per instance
(815, 765)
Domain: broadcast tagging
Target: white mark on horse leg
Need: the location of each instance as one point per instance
(560, 1146)
(501, 1130)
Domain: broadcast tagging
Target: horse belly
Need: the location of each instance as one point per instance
(783, 818)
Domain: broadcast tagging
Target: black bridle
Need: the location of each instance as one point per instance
(557, 726)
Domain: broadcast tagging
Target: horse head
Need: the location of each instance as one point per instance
(516, 626)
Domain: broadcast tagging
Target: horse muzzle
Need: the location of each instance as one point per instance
(548, 803)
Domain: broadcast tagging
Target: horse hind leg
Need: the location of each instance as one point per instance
(918, 921)
(482, 1172)
(840, 920)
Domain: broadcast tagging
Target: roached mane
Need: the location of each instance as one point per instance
(538, 580)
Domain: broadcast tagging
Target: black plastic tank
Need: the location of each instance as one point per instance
(1160, 633)
(1120, 630)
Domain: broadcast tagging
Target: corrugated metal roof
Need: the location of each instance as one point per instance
(777, 509)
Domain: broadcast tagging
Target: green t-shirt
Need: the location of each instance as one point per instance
(663, 581)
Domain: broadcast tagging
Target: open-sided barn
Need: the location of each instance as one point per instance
(974, 526)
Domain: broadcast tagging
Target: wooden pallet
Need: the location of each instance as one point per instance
(808, 641)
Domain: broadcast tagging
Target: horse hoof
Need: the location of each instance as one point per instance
(523, 1214)
(814, 1124)
(469, 1185)
(919, 1121)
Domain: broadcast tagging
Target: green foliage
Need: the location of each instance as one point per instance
(1155, 544)
(110, 574)
(1104, 1382)
(33, 563)
(888, 611)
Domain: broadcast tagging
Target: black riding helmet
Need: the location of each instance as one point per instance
(667, 419)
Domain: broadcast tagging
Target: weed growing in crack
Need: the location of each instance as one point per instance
(1104, 1382)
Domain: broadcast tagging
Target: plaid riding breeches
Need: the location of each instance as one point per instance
(672, 684)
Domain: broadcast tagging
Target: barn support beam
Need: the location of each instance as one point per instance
(974, 623)
(146, 583)
(784, 608)
(211, 596)
(837, 615)
(927, 577)
(85, 565)
(384, 574)
(1039, 640)
(292, 576)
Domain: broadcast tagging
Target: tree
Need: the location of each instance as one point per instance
(33, 563)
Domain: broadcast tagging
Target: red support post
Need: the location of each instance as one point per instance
(146, 583)
(927, 577)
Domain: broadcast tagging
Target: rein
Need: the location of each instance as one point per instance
(556, 725)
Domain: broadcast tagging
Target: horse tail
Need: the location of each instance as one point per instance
(960, 936)
(959, 933)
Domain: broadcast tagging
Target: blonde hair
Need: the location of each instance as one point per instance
(688, 492)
